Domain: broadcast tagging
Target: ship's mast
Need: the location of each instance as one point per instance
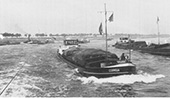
(106, 25)
(105, 12)
(158, 30)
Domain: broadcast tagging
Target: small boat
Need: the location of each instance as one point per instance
(109, 39)
(83, 40)
(36, 41)
(94, 62)
(9, 42)
(4, 42)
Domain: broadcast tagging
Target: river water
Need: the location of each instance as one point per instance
(41, 74)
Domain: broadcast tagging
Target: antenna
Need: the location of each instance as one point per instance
(129, 48)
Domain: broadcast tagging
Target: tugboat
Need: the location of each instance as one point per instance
(127, 43)
(95, 62)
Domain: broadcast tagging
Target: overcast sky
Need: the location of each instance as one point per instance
(81, 16)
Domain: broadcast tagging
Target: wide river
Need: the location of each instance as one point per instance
(35, 70)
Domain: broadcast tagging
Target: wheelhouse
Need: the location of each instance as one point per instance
(124, 39)
(71, 42)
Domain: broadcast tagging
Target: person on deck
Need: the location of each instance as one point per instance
(122, 57)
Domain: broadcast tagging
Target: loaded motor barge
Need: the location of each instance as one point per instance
(94, 62)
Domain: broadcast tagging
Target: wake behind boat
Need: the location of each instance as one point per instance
(95, 62)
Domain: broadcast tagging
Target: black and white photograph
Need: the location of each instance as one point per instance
(84, 48)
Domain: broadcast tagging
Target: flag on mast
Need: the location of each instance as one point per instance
(157, 20)
(100, 29)
(111, 17)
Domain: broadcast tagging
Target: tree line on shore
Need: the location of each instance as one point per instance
(11, 34)
(6, 34)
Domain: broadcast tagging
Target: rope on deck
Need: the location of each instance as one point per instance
(11, 80)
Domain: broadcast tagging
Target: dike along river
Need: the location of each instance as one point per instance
(41, 74)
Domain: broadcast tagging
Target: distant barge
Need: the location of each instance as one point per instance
(156, 49)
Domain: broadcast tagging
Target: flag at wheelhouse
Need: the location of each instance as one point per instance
(100, 29)
(111, 17)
